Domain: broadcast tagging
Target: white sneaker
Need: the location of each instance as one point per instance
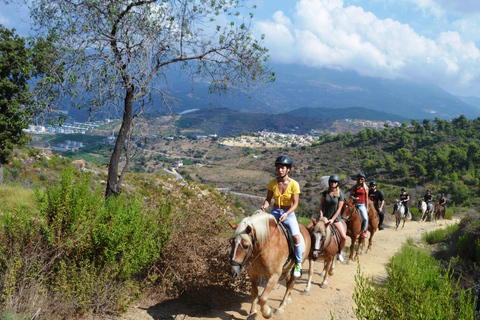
(340, 257)
(297, 271)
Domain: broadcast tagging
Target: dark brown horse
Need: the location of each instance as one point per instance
(352, 217)
(325, 242)
(439, 212)
(260, 245)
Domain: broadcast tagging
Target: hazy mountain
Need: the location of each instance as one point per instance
(301, 90)
(298, 87)
(347, 113)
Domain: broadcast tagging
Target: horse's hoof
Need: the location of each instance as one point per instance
(349, 262)
(278, 312)
(324, 285)
(252, 316)
(306, 292)
(269, 314)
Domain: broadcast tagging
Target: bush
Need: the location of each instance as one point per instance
(416, 289)
(80, 249)
(439, 235)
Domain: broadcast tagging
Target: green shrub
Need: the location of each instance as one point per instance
(439, 235)
(416, 289)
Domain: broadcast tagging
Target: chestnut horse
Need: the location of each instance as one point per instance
(352, 217)
(325, 244)
(260, 245)
(439, 212)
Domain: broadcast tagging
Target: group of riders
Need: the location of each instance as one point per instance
(285, 191)
(428, 198)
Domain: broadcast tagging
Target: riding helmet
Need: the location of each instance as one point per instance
(443, 194)
(403, 189)
(361, 175)
(285, 160)
(373, 183)
(428, 190)
(334, 178)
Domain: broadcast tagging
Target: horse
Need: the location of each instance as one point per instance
(260, 244)
(399, 211)
(423, 209)
(353, 220)
(439, 212)
(325, 245)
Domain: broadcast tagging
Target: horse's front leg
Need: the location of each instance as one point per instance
(254, 292)
(262, 300)
(328, 263)
(370, 241)
(311, 264)
(352, 248)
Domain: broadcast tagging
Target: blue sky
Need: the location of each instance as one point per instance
(424, 40)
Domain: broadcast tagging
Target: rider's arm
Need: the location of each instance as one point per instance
(267, 200)
(381, 205)
(294, 205)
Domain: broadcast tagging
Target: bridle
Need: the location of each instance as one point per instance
(254, 241)
(323, 245)
(351, 215)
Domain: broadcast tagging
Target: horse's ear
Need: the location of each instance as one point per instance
(233, 225)
(248, 229)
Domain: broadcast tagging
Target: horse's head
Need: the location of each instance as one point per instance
(252, 231)
(241, 247)
(348, 208)
(319, 232)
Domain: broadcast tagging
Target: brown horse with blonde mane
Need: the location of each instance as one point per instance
(352, 218)
(325, 245)
(260, 245)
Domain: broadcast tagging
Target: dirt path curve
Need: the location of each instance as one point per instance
(337, 298)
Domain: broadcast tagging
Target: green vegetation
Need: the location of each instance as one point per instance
(416, 288)
(439, 235)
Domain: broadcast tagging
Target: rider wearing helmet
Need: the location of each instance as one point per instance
(428, 199)
(377, 197)
(285, 192)
(331, 204)
(359, 194)
(405, 198)
(442, 201)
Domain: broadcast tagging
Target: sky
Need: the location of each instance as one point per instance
(431, 41)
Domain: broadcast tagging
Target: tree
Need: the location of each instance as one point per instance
(16, 69)
(122, 52)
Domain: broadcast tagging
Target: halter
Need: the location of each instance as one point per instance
(249, 254)
(351, 215)
(322, 245)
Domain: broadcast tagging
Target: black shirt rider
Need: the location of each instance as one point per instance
(404, 197)
(376, 197)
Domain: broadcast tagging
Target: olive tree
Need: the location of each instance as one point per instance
(119, 53)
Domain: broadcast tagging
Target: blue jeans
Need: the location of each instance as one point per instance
(292, 224)
(363, 212)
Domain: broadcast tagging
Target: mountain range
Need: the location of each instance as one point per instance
(324, 93)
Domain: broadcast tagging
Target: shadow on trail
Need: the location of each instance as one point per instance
(212, 302)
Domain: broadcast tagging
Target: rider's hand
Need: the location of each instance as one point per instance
(283, 217)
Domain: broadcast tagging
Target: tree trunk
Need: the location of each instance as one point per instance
(112, 180)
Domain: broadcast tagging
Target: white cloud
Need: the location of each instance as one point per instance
(325, 33)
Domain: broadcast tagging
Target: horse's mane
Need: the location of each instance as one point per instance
(320, 226)
(260, 222)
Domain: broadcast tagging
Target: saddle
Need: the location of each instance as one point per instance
(291, 244)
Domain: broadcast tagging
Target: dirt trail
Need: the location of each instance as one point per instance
(337, 298)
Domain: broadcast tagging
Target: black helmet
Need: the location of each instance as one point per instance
(443, 194)
(403, 189)
(428, 190)
(373, 183)
(361, 175)
(334, 178)
(285, 160)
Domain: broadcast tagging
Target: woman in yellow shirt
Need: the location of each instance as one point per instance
(285, 192)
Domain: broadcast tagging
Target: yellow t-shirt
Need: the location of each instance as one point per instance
(284, 199)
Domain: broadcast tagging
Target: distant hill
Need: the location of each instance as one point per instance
(225, 122)
(347, 113)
